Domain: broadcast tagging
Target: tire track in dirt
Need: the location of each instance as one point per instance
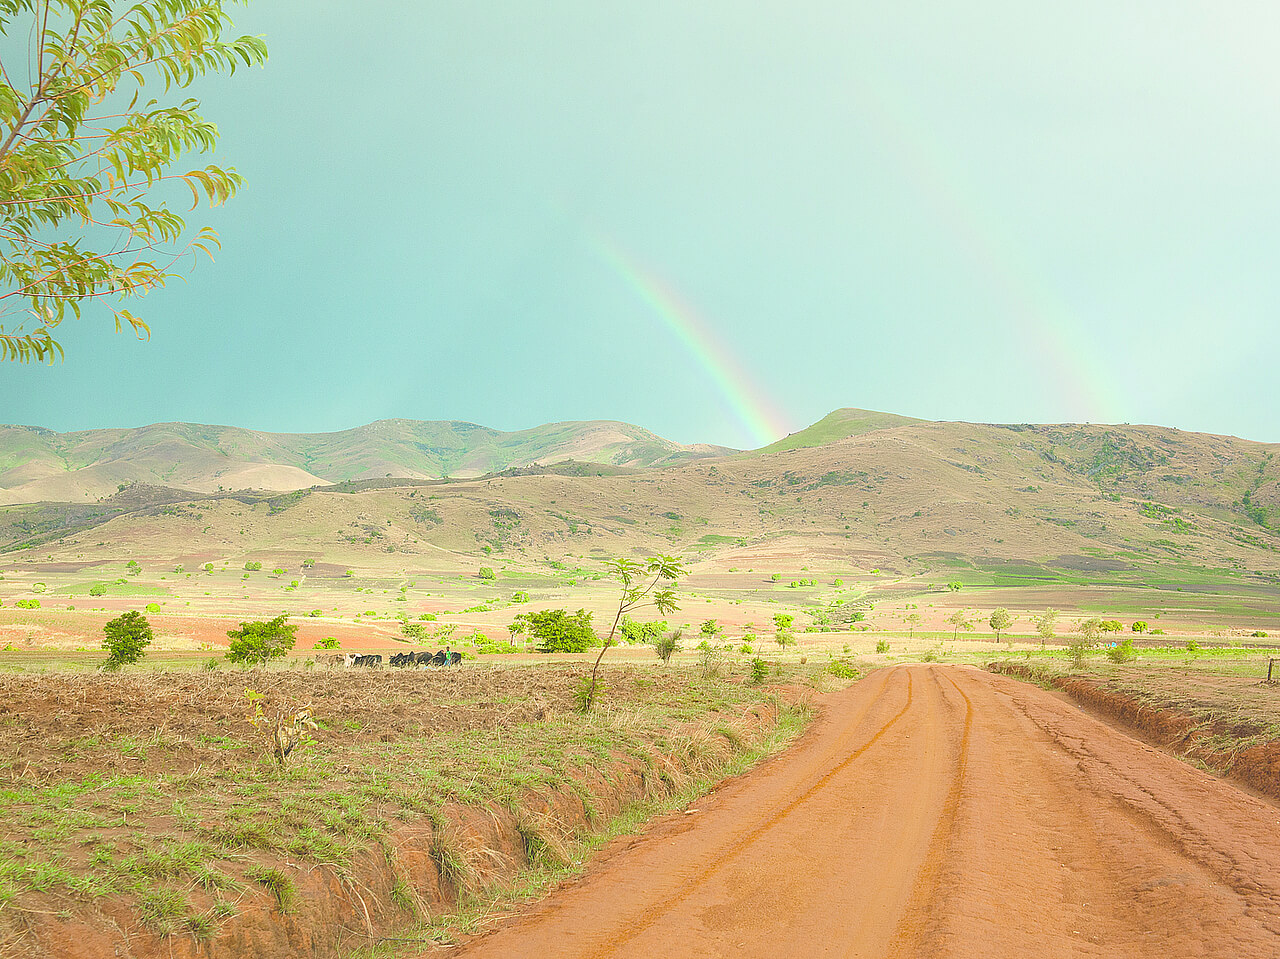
(938, 812)
(915, 917)
(756, 835)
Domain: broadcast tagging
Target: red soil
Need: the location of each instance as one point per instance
(936, 812)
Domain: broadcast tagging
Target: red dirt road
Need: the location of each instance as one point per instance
(935, 811)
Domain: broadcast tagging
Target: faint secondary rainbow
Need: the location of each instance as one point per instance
(1039, 315)
(748, 401)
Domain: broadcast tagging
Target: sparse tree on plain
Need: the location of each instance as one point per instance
(1000, 620)
(126, 637)
(642, 584)
(1046, 622)
(960, 620)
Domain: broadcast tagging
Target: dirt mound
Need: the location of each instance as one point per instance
(1242, 750)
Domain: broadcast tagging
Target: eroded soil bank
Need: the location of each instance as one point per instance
(1240, 747)
(141, 819)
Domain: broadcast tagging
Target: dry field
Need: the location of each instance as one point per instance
(143, 811)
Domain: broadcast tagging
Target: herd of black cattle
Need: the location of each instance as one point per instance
(420, 660)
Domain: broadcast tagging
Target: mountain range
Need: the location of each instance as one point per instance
(891, 490)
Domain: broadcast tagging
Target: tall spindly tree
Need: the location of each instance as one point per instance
(87, 164)
(647, 583)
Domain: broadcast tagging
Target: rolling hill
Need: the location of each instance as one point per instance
(1003, 501)
(40, 465)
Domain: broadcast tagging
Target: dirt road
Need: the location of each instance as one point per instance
(936, 811)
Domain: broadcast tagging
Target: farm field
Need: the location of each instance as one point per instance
(144, 808)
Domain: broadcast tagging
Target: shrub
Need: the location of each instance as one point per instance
(842, 669)
(1078, 649)
(98, 589)
(559, 632)
(1193, 646)
(251, 566)
(882, 645)
(759, 671)
(38, 587)
(329, 642)
(1258, 634)
(641, 634)
(1139, 627)
(486, 572)
(125, 638)
(668, 645)
(308, 563)
(257, 642)
(1121, 652)
(153, 607)
(519, 596)
(28, 604)
(278, 571)
(208, 567)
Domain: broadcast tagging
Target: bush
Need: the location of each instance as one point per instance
(1121, 652)
(882, 645)
(759, 671)
(486, 572)
(125, 638)
(559, 632)
(38, 587)
(641, 634)
(28, 604)
(278, 571)
(519, 596)
(251, 566)
(1258, 634)
(1193, 646)
(257, 642)
(842, 669)
(98, 589)
(668, 645)
(153, 607)
(208, 567)
(329, 642)
(1140, 626)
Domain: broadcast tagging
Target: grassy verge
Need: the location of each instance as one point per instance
(152, 788)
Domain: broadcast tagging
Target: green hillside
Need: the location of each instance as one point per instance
(836, 426)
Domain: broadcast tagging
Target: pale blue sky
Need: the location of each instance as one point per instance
(995, 211)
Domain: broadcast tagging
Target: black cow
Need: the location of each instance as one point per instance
(402, 659)
(423, 658)
(455, 657)
(440, 659)
(369, 662)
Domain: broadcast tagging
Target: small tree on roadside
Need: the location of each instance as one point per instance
(642, 584)
(1000, 620)
(125, 639)
(913, 620)
(959, 620)
(710, 630)
(258, 642)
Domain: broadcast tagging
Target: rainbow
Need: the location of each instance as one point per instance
(1038, 315)
(748, 402)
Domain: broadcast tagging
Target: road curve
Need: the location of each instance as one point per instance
(935, 811)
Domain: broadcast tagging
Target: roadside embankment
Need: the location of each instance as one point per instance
(143, 817)
(1231, 743)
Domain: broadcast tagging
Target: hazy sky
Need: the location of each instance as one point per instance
(722, 220)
